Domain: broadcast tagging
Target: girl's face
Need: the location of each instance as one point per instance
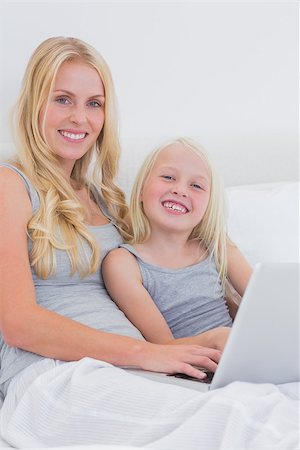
(73, 118)
(176, 193)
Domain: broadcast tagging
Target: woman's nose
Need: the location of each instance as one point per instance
(78, 115)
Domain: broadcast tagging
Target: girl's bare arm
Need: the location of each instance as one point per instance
(238, 269)
(27, 325)
(124, 284)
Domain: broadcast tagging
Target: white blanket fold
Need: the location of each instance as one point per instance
(91, 403)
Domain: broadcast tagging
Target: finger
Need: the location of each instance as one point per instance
(211, 353)
(202, 361)
(207, 363)
(191, 371)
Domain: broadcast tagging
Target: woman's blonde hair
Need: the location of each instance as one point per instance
(59, 222)
(211, 231)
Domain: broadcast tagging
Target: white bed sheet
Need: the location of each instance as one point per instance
(4, 444)
(277, 426)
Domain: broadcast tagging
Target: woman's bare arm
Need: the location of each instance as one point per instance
(27, 325)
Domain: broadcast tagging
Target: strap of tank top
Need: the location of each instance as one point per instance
(32, 192)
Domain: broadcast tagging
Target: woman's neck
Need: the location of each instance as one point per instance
(94, 214)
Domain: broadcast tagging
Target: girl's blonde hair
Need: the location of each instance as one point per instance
(59, 222)
(211, 231)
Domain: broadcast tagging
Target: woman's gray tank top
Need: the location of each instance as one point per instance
(82, 299)
(191, 299)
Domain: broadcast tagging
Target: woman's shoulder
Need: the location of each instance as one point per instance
(13, 171)
(13, 166)
(14, 183)
(11, 175)
(14, 200)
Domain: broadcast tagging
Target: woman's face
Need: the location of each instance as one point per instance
(74, 116)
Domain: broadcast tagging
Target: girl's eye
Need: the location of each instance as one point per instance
(63, 100)
(167, 177)
(196, 186)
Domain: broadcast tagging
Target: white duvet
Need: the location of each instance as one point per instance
(239, 416)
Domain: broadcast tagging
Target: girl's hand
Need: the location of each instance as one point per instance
(214, 339)
(180, 359)
(217, 337)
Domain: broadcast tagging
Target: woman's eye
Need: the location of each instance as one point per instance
(63, 100)
(95, 104)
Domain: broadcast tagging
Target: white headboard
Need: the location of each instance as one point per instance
(222, 72)
(239, 161)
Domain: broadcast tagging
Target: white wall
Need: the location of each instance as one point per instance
(223, 72)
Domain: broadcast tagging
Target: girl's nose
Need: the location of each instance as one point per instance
(177, 190)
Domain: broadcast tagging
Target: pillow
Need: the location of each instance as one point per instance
(264, 221)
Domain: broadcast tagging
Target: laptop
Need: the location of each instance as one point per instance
(263, 346)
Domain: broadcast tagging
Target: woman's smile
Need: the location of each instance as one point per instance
(73, 136)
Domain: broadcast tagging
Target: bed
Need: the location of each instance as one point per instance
(264, 222)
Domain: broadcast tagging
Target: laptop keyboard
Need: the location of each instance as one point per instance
(206, 380)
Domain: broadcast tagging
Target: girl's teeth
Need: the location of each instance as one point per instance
(175, 207)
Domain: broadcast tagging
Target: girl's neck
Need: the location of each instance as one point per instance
(171, 251)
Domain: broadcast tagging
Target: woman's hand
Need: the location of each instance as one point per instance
(179, 359)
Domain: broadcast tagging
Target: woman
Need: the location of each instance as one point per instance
(56, 226)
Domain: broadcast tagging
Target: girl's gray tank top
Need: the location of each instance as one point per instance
(191, 298)
(82, 299)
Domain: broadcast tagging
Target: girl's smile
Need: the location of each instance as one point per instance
(179, 186)
(175, 207)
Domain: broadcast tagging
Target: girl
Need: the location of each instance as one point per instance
(57, 322)
(171, 277)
